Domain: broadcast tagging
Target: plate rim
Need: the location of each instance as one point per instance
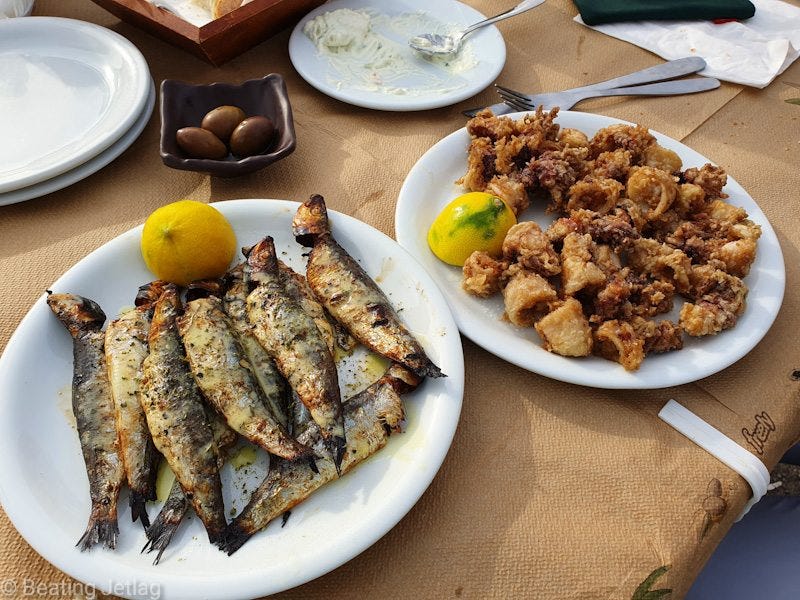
(37, 27)
(405, 237)
(91, 166)
(247, 583)
(368, 101)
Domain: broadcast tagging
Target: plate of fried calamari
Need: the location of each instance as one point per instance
(296, 428)
(635, 262)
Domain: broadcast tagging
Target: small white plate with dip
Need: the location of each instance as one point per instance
(364, 58)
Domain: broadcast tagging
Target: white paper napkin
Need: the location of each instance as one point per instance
(15, 8)
(751, 52)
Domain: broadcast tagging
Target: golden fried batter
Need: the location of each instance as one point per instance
(651, 192)
(614, 165)
(658, 157)
(527, 297)
(527, 244)
(573, 138)
(598, 194)
(617, 341)
(565, 330)
(483, 274)
(633, 138)
(511, 192)
(578, 272)
(480, 165)
(712, 179)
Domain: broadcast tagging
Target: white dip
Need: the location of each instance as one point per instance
(370, 51)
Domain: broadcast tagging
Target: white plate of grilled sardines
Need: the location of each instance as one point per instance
(238, 437)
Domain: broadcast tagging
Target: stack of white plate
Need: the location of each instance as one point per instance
(73, 97)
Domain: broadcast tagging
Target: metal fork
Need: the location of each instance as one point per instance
(568, 99)
(667, 70)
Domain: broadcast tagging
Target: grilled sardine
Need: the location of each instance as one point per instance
(370, 416)
(169, 518)
(226, 379)
(93, 407)
(125, 350)
(351, 296)
(291, 337)
(177, 418)
(276, 389)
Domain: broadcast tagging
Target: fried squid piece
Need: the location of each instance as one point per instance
(650, 192)
(618, 341)
(578, 271)
(614, 165)
(719, 299)
(480, 165)
(512, 192)
(736, 255)
(661, 262)
(527, 297)
(712, 179)
(658, 337)
(528, 245)
(615, 229)
(486, 125)
(573, 138)
(565, 330)
(633, 138)
(483, 275)
(733, 220)
(662, 158)
(626, 294)
(598, 194)
(539, 123)
(556, 171)
(690, 199)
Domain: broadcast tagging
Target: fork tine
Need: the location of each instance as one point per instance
(500, 89)
(515, 102)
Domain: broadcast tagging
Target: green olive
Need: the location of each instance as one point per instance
(252, 136)
(200, 143)
(223, 120)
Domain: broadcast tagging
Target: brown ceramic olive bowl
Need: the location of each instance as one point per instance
(185, 105)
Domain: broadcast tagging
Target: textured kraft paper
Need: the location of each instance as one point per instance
(549, 490)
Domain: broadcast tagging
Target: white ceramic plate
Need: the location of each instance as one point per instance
(44, 489)
(91, 166)
(485, 46)
(430, 186)
(69, 90)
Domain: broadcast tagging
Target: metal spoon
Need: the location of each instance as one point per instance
(433, 43)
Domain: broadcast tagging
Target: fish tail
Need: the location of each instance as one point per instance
(101, 530)
(310, 221)
(159, 535)
(422, 366)
(138, 501)
(235, 538)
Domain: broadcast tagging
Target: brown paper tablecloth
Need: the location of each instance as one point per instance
(550, 490)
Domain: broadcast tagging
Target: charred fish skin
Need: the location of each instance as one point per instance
(169, 518)
(226, 380)
(126, 348)
(177, 418)
(274, 386)
(94, 413)
(351, 296)
(291, 337)
(370, 417)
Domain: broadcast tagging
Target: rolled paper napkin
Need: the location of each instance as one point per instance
(751, 52)
(597, 12)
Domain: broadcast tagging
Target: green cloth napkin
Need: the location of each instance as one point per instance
(595, 12)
